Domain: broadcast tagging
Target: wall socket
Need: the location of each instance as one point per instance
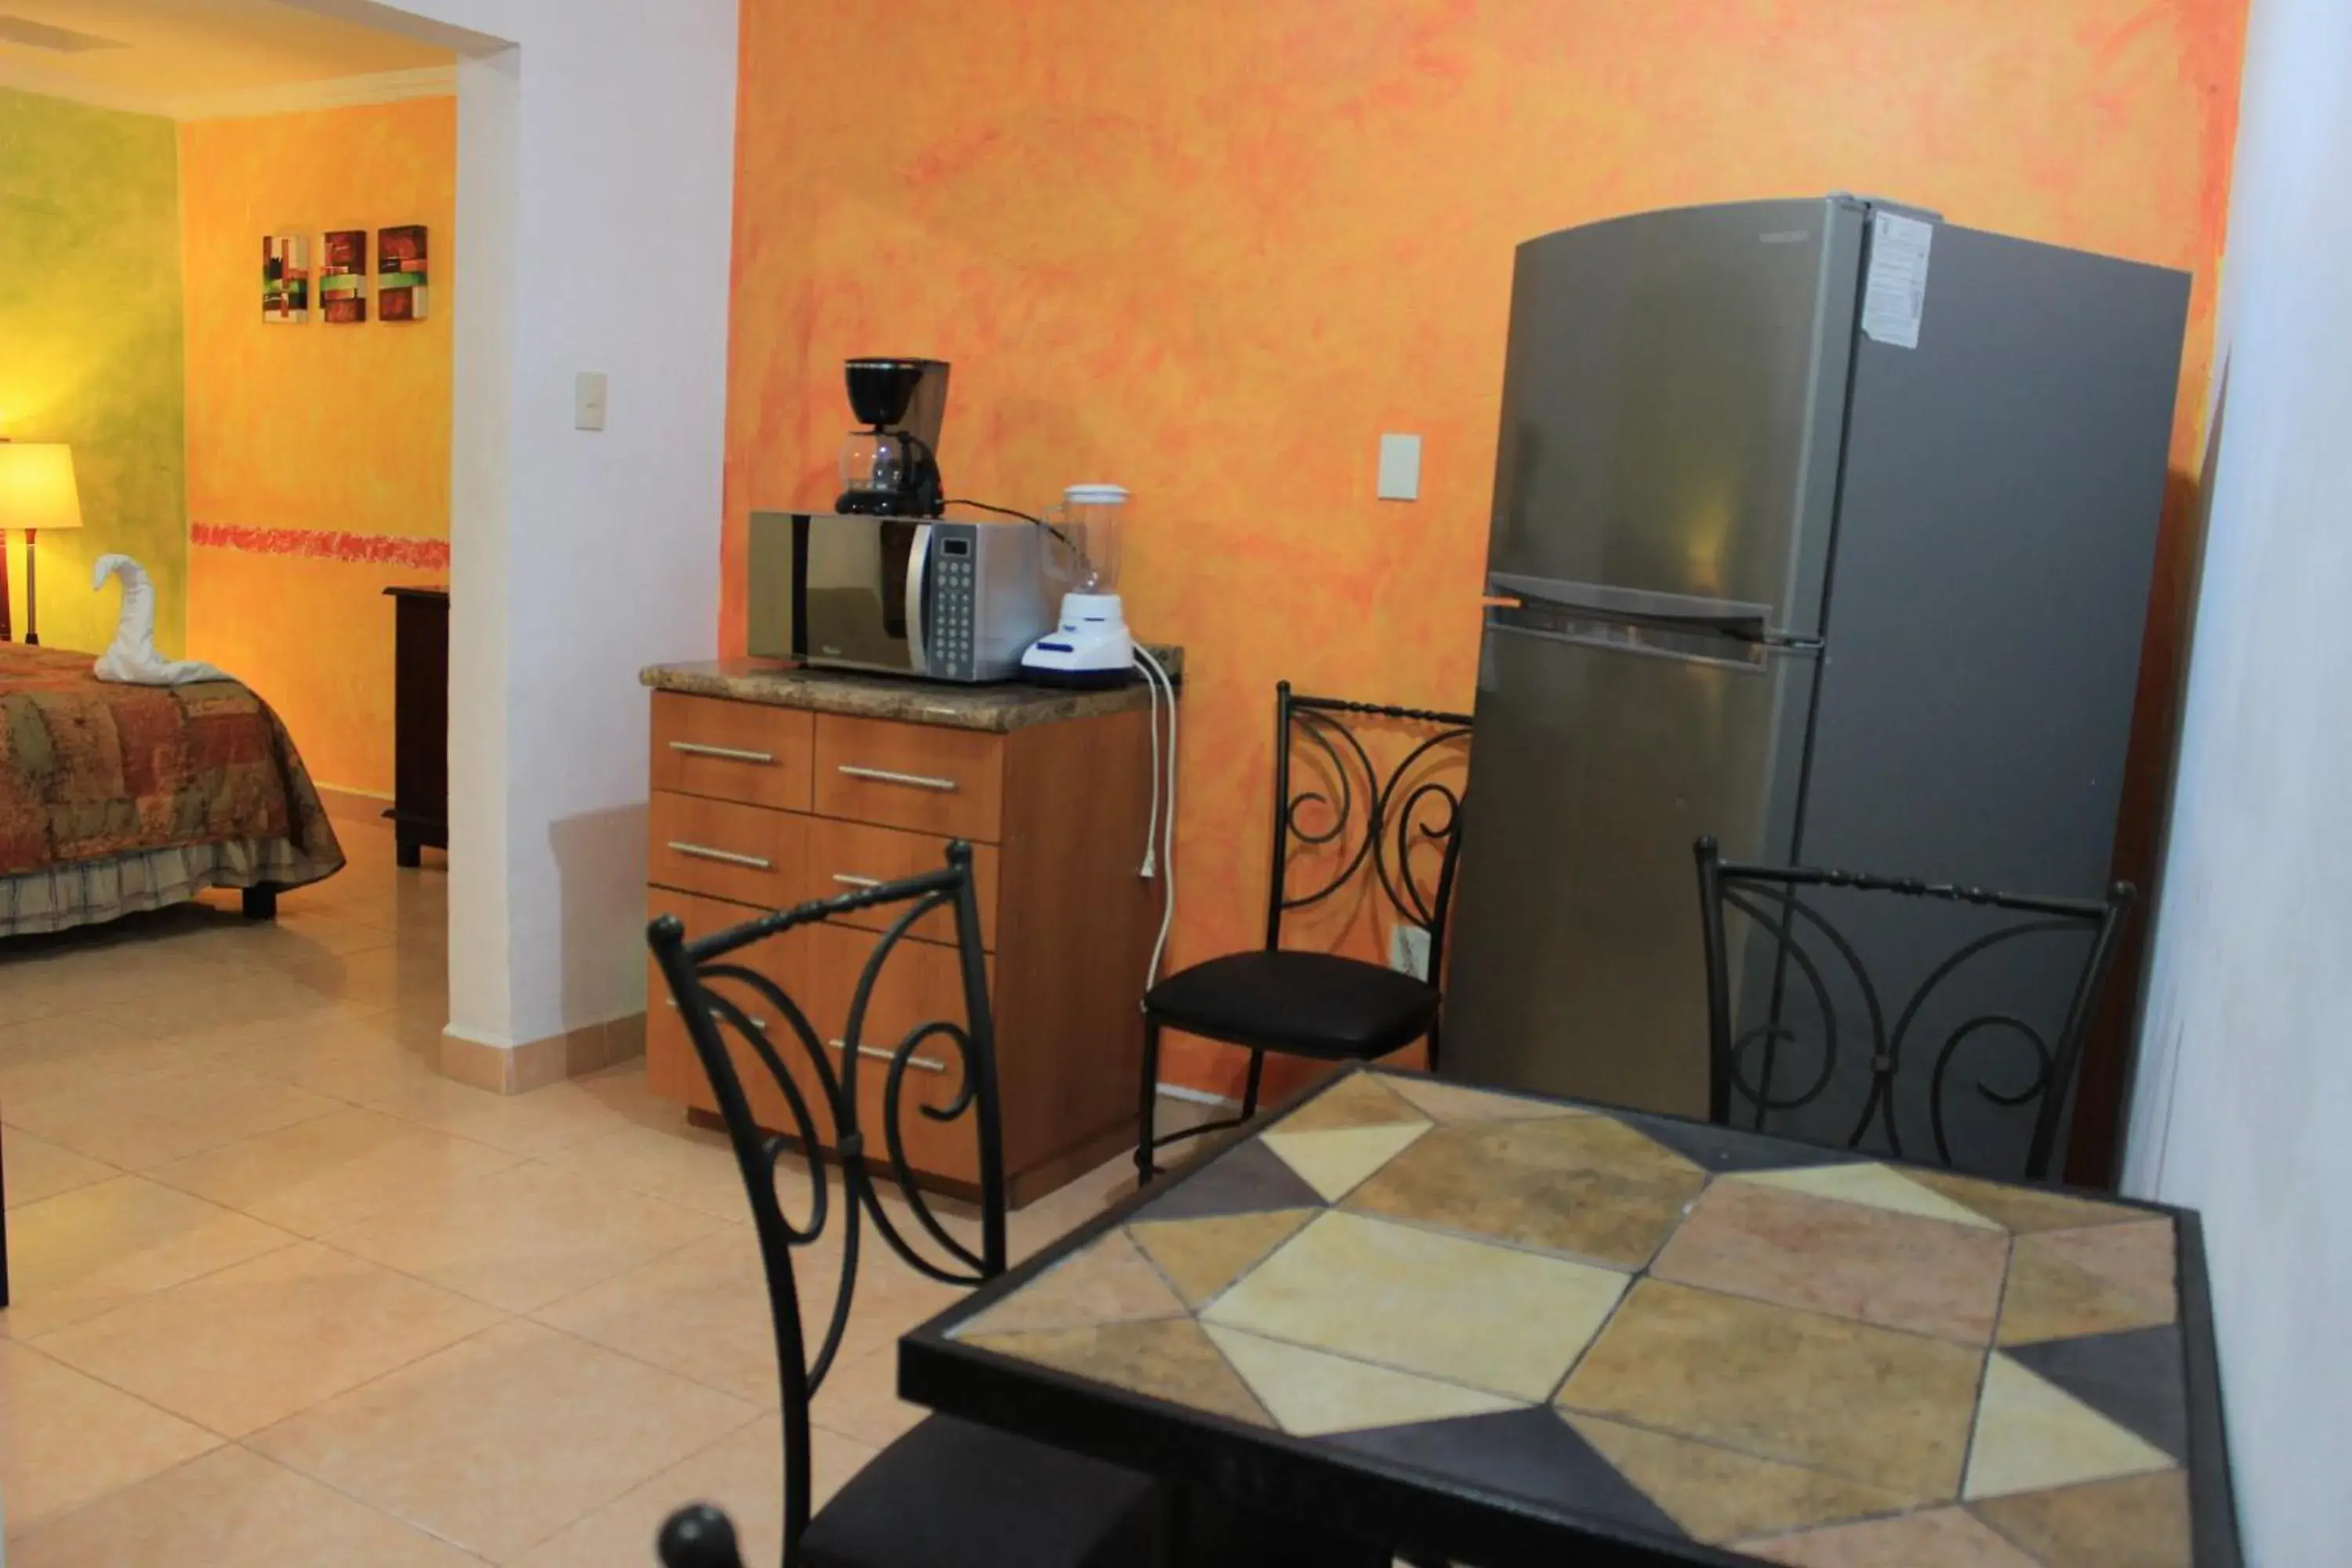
(1409, 949)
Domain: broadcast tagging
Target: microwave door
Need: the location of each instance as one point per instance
(854, 592)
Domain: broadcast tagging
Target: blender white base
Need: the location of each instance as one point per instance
(1091, 647)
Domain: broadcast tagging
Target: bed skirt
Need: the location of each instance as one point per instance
(90, 892)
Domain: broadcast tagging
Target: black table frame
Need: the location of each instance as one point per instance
(1412, 1511)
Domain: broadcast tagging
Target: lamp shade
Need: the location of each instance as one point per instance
(37, 486)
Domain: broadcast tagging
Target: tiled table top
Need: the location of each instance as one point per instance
(1708, 1343)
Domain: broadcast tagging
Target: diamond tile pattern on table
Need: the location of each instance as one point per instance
(1586, 1186)
(1310, 1391)
(1850, 1261)
(1938, 1538)
(2031, 1435)
(1718, 1495)
(2139, 1521)
(1809, 1356)
(2051, 1296)
(1497, 1318)
(1865, 1403)
(1201, 1257)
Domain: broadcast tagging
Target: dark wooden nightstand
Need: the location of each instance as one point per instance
(420, 722)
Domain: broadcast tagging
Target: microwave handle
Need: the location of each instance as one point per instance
(919, 570)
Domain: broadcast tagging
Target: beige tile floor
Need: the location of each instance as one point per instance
(286, 1296)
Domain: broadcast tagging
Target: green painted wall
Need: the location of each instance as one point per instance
(91, 341)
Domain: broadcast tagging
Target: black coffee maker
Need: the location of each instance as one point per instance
(891, 469)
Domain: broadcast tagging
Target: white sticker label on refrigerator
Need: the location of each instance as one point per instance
(1895, 293)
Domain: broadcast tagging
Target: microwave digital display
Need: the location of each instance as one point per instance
(955, 546)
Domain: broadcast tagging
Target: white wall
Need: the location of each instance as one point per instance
(596, 197)
(2244, 1108)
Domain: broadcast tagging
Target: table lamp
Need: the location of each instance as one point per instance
(37, 491)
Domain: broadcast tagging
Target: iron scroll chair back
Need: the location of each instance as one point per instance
(1808, 956)
(859, 1157)
(1397, 811)
(1345, 822)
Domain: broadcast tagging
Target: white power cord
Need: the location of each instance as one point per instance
(1163, 806)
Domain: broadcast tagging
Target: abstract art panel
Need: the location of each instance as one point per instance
(285, 278)
(342, 276)
(400, 286)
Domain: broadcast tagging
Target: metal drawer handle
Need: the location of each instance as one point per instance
(884, 775)
(847, 880)
(725, 857)
(920, 1064)
(729, 754)
(759, 1024)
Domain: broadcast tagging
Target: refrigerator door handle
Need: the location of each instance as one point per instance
(1690, 643)
(1739, 618)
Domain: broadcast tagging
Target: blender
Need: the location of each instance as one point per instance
(1090, 646)
(891, 468)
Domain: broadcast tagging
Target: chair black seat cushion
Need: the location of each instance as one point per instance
(949, 1494)
(1308, 1004)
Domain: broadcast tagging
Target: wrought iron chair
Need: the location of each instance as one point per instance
(1797, 958)
(948, 1494)
(1323, 1004)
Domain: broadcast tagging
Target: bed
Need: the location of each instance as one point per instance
(116, 799)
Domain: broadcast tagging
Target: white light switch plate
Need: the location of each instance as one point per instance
(1400, 468)
(588, 400)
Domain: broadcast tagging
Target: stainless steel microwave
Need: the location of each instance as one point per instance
(946, 599)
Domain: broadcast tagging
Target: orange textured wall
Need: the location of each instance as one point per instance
(1211, 250)
(318, 454)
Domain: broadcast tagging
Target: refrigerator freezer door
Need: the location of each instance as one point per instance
(1672, 402)
(1575, 965)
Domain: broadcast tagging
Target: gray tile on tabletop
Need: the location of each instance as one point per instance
(1248, 1178)
(2136, 1378)
(1530, 1454)
(1724, 1149)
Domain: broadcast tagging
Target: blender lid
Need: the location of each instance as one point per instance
(1095, 495)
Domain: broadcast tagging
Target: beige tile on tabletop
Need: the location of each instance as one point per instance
(525, 1237)
(39, 1169)
(741, 1472)
(230, 1507)
(1937, 1538)
(83, 1252)
(701, 1311)
(1489, 1316)
(316, 1176)
(150, 1118)
(497, 1442)
(1718, 1495)
(65, 1437)
(256, 1343)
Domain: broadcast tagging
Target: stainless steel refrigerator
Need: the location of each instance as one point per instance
(1831, 527)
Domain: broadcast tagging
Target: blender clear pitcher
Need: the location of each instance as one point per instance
(1091, 518)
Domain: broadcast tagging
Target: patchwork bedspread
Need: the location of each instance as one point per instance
(90, 770)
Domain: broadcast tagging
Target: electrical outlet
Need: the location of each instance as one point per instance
(1409, 949)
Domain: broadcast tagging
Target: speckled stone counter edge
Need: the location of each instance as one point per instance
(1010, 706)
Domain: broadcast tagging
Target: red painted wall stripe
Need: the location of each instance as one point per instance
(358, 549)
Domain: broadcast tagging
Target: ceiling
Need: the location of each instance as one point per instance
(193, 57)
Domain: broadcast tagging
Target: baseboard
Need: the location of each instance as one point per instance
(352, 804)
(535, 1064)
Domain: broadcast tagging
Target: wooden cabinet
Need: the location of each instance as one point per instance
(756, 805)
(420, 722)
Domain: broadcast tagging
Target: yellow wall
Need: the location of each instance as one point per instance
(1210, 250)
(89, 349)
(299, 434)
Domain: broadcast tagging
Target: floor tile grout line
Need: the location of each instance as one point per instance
(378, 1508)
(728, 1436)
(16, 1537)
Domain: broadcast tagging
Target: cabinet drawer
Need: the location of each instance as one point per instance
(718, 847)
(845, 856)
(917, 984)
(926, 777)
(733, 751)
(672, 1069)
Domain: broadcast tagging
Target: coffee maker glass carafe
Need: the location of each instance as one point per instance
(891, 468)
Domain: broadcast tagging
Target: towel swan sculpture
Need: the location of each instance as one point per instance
(131, 658)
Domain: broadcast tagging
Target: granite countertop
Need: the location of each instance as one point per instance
(1007, 705)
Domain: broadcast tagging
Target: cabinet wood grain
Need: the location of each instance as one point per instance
(923, 776)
